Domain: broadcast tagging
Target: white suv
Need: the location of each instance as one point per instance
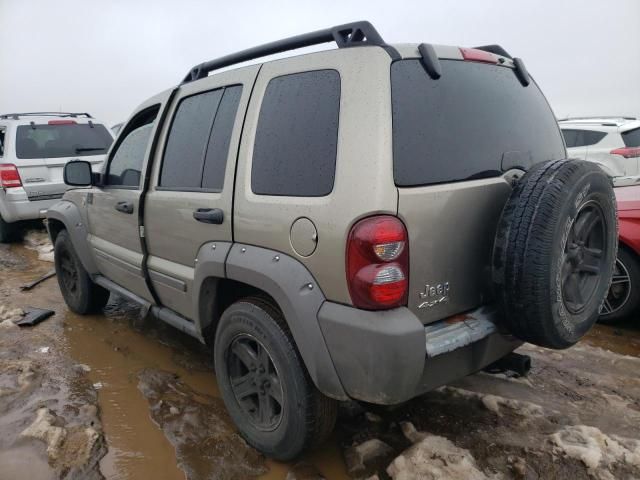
(611, 142)
(34, 147)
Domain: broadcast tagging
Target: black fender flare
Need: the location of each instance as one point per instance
(69, 214)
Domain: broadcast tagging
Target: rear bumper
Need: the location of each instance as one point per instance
(389, 357)
(16, 206)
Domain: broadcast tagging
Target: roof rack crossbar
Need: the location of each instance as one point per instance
(347, 35)
(44, 114)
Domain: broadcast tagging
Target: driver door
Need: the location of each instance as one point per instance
(113, 206)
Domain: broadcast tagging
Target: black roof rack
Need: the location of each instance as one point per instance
(16, 116)
(348, 35)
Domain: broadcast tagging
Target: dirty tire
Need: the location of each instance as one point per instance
(554, 252)
(8, 231)
(305, 418)
(79, 292)
(623, 299)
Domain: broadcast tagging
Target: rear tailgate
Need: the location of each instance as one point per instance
(43, 150)
(454, 139)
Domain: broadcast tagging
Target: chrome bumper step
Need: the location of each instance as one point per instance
(456, 332)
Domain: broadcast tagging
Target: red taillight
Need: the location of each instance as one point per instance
(378, 263)
(62, 122)
(475, 55)
(627, 152)
(9, 176)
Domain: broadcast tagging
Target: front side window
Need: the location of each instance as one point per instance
(197, 147)
(297, 135)
(64, 139)
(125, 166)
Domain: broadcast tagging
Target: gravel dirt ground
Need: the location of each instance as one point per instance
(122, 397)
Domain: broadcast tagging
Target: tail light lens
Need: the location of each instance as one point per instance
(627, 152)
(378, 263)
(475, 55)
(9, 176)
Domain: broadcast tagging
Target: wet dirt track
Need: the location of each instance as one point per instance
(116, 396)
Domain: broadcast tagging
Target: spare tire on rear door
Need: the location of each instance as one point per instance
(555, 251)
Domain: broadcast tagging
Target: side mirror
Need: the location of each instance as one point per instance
(77, 173)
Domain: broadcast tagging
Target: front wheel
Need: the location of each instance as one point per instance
(79, 292)
(623, 298)
(264, 384)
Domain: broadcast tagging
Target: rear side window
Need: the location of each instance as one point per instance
(582, 138)
(475, 121)
(631, 138)
(196, 153)
(65, 140)
(1, 142)
(297, 135)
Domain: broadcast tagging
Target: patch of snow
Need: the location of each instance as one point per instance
(39, 241)
(43, 350)
(8, 313)
(43, 428)
(434, 457)
(495, 403)
(596, 449)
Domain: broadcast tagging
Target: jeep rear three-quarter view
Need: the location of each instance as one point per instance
(368, 222)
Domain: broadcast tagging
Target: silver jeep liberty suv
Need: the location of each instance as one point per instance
(368, 222)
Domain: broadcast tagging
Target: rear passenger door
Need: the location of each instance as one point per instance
(189, 202)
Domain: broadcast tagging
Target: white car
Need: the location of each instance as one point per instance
(34, 148)
(611, 142)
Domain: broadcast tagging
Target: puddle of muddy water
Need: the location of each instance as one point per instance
(117, 352)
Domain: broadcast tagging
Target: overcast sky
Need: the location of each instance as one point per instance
(107, 57)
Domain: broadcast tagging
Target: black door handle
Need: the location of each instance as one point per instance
(124, 207)
(209, 215)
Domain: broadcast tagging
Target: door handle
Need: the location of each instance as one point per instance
(209, 215)
(124, 207)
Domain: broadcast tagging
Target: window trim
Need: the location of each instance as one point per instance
(3, 130)
(257, 123)
(162, 188)
(115, 146)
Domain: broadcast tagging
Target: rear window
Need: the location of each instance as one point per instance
(475, 121)
(581, 138)
(56, 141)
(631, 138)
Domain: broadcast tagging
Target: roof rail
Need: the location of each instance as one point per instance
(348, 35)
(16, 116)
(599, 117)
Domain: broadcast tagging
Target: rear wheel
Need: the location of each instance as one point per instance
(7, 231)
(79, 292)
(264, 384)
(623, 298)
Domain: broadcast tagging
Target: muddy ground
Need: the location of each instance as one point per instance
(119, 397)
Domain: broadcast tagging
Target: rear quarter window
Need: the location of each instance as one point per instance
(582, 138)
(297, 135)
(473, 122)
(631, 138)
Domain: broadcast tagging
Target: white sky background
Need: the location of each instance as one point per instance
(107, 57)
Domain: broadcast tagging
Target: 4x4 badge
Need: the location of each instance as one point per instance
(434, 294)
